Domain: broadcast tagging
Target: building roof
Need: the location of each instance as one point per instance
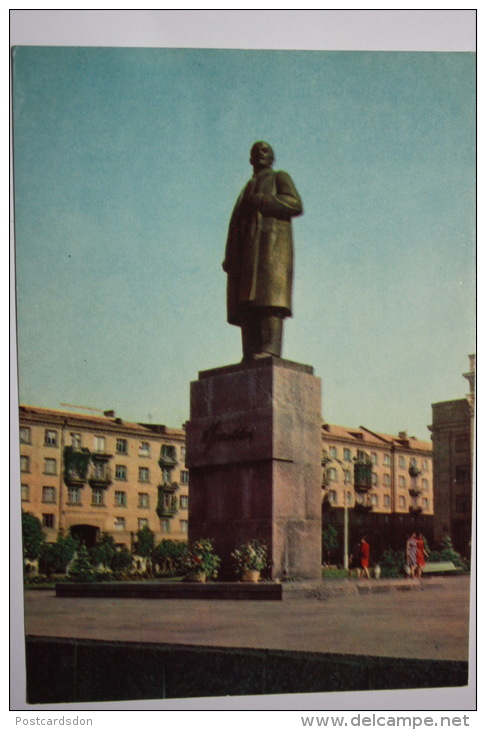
(105, 422)
(366, 436)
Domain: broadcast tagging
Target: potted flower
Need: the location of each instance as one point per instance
(200, 561)
(250, 559)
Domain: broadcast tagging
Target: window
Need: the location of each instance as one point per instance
(425, 503)
(401, 482)
(349, 497)
(166, 474)
(333, 496)
(50, 466)
(169, 452)
(425, 465)
(76, 440)
(74, 495)
(374, 479)
(24, 492)
(333, 452)
(386, 501)
(142, 522)
(347, 476)
(165, 525)
(121, 446)
(463, 503)
(386, 480)
(183, 454)
(374, 500)
(425, 484)
(143, 500)
(97, 496)
(25, 435)
(413, 462)
(401, 502)
(119, 523)
(374, 457)
(401, 462)
(183, 501)
(183, 525)
(121, 499)
(50, 438)
(99, 444)
(462, 442)
(184, 477)
(144, 449)
(347, 454)
(24, 463)
(462, 474)
(332, 474)
(49, 494)
(48, 520)
(143, 474)
(121, 472)
(386, 459)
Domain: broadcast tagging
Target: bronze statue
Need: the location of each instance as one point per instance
(259, 256)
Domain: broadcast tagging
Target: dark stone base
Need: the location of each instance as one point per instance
(202, 591)
(81, 670)
(254, 453)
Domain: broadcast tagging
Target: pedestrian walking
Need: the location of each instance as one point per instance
(365, 557)
(421, 554)
(355, 560)
(411, 555)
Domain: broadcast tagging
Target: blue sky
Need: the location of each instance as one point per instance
(127, 165)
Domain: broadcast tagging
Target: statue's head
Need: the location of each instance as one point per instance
(261, 155)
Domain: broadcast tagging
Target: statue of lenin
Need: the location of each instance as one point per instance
(259, 256)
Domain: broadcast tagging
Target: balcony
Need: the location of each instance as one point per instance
(414, 492)
(415, 510)
(363, 507)
(73, 479)
(168, 457)
(413, 471)
(168, 487)
(166, 507)
(100, 478)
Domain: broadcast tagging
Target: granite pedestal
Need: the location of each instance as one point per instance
(254, 457)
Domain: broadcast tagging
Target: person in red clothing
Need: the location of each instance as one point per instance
(365, 557)
(421, 555)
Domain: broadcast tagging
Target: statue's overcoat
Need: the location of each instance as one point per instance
(259, 249)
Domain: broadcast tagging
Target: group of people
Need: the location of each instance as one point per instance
(359, 559)
(415, 557)
(415, 554)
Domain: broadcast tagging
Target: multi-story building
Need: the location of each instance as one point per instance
(89, 474)
(381, 484)
(453, 446)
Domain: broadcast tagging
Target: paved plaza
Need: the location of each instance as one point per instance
(431, 622)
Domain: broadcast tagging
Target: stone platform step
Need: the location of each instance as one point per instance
(329, 588)
(180, 590)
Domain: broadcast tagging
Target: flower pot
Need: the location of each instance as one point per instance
(196, 576)
(250, 576)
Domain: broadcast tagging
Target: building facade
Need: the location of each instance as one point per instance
(453, 452)
(89, 474)
(381, 484)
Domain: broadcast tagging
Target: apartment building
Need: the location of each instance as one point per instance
(383, 482)
(453, 441)
(88, 474)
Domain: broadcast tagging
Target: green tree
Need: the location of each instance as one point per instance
(167, 555)
(104, 551)
(32, 536)
(329, 543)
(447, 552)
(54, 557)
(81, 570)
(121, 560)
(145, 545)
